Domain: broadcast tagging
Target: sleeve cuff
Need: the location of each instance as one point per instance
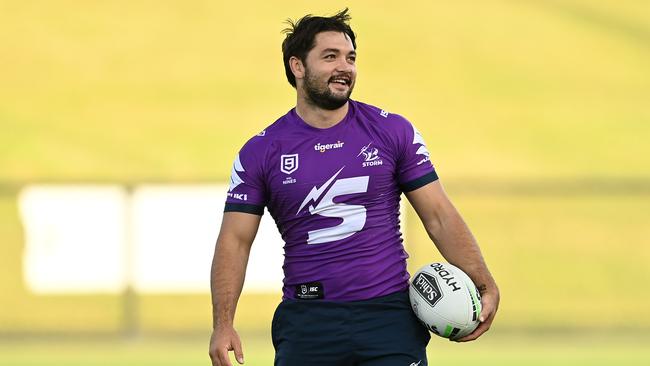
(419, 182)
(245, 208)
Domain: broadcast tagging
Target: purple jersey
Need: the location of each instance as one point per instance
(334, 194)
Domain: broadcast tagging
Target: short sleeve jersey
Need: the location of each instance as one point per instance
(335, 194)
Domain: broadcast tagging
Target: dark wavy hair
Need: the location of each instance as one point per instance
(301, 36)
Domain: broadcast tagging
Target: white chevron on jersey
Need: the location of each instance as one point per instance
(235, 179)
(418, 139)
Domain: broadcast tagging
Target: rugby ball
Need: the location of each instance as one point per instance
(445, 300)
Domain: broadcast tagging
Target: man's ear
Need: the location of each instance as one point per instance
(297, 67)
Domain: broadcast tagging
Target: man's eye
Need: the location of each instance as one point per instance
(352, 58)
(329, 56)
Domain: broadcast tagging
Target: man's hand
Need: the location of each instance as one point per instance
(490, 304)
(223, 340)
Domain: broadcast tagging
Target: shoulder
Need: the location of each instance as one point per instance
(260, 143)
(383, 119)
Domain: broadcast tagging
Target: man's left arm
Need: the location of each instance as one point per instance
(457, 245)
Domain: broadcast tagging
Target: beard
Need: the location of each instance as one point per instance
(323, 97)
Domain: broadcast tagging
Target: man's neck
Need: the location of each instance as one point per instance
(318, 117)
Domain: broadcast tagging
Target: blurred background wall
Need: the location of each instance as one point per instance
(536, 114)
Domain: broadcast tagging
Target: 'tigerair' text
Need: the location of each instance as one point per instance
(324, 147)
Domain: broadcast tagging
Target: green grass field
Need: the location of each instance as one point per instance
(497, 350)
(535, 112)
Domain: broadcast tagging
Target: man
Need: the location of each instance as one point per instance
(331, 172)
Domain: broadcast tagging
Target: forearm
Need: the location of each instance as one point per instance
(456, 243)
(458, 246)
(227, 279)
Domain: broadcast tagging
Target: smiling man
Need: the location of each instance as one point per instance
(331, 172)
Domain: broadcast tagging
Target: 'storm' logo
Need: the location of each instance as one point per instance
(370, 156)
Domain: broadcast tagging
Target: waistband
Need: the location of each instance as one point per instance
(398, 295)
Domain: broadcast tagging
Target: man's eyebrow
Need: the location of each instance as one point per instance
(334, 50)
(337, 51)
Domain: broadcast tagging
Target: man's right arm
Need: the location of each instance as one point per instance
(227, 279)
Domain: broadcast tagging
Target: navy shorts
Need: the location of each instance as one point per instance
(376, 332)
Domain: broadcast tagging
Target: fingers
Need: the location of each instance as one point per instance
(222, 357)
(239, 353)
(219, 357)
(223, 342)
(489, 304)
(482, 328)
(214, 353)
(488, 308)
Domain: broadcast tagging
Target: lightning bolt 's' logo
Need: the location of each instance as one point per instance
(315, 193)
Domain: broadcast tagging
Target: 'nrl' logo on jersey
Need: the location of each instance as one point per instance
(288, 163)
